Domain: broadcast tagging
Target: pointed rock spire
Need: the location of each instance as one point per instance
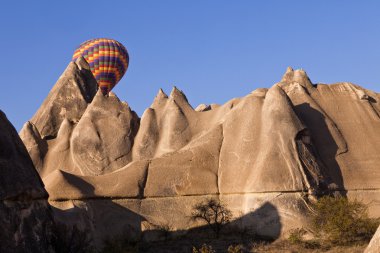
(298, 76)
(161, 94)
(176, 93)
(180, 98)
(67, 99)
(160, 99)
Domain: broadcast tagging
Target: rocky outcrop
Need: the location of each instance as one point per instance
(102, 140)
(343, 120)
(279, 147)
(68, 99)
(374, 244)
(262, 145)
(25, 217)
(66, 104)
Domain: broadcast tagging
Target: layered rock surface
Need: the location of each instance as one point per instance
(277, 148)
(25, 216)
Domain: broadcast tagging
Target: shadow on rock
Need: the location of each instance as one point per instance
(260, 226)
(326, 148)
(102, 219)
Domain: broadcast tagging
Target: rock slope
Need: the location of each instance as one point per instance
(25, 215)
(279, 147)
(374, 244)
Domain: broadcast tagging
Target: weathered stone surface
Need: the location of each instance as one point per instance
(104, 218)
(103, 139)
(344, 124)
(262, 146)
(59, 157)
(25, 217)
(202, 108)
(374, 244)
(298, 76)
(165, 127)
(147, 137)
(193, 170)
(36, 146)
(359, 123)
(19, 178)
(128, 182)
(325, 135)
(263, 153)
(68, 99)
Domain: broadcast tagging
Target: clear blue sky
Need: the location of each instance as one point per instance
(212, 50)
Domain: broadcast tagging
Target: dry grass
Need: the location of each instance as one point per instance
(286, 247)
(221, 246)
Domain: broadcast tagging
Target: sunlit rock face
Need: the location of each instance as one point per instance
(102, 140)
(374, 244)
(25, 215)
(265, 155)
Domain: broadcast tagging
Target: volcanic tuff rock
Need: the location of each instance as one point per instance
(374, 244)
(272, 150)
(67, 100)
(102, 140)
(25, 218)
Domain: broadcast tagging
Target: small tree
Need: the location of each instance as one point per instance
(214, 213)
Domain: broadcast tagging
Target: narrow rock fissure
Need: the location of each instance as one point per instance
(220, 150)
(198, 195)
(374, 109)
(143, 183)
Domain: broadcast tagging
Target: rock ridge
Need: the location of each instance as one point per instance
(277, 146)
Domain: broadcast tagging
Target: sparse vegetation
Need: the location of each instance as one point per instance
(296, 236)
(339, 221)
(336, 222)
(337, 225)
(165, 230)
(235, 249)
(204, 249)
(214, 213)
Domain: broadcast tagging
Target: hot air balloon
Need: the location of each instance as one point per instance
(108, 60)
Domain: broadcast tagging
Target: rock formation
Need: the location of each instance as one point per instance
(25, 215)
(279, 147)
(374, 244)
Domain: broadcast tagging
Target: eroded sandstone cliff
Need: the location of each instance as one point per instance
(274, 149)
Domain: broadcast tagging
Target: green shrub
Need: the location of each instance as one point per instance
(340, 221)
(204, 249)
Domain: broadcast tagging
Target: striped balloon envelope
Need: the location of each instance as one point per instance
(108, 60)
